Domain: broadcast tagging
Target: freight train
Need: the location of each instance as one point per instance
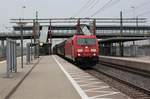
(79, 48)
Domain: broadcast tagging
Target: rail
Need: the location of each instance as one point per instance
(133, 76)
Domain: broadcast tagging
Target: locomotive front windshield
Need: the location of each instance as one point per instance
(86, 41)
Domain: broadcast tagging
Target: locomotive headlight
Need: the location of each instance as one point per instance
(94, 54)
(41, 44)
(79, 54)
(79, 50)
(93, 50)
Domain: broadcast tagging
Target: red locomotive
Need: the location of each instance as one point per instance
(79, 48)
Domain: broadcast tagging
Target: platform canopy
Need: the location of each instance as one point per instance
(122, 39)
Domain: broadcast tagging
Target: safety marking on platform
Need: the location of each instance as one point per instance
(82, 80)
(76, 86)
(96, 88)
(91, 83)
(98, 96)
(90, 86)
(103, 98)
(82, 77)
(81, 73)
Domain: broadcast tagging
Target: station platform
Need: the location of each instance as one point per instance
(141, 63)
(8, 85)
(52, 77)
(144, 59)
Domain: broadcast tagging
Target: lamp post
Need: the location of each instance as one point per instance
(23, 8)
(133, 11)
(21, 25)
(133, 7)
(134, 47)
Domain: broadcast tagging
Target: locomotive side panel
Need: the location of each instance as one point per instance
(68, 48)
(60, 48)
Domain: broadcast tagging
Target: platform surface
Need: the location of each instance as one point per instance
(55, 78)
(144, 59)
(8, 84)
(46, 81)
(88, 86)
(140, 63)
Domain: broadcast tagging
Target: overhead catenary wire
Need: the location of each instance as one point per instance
(142, 5)
(144, 13)
(97, 1)
(108, 4)
(83, 8)
(92, 6)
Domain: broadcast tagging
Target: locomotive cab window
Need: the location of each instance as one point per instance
(86, 41)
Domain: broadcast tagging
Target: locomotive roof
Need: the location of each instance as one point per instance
(82, 36)
(85, 36)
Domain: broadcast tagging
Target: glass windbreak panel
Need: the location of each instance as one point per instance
(86, 41)
(43, 34)
(85, 30)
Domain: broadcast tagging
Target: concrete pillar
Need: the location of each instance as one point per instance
(121, 48)
(50, 50)
(117, 49)
(3, 48)
(111, 49)
(31, 47)
(134, 50)
(107, 48)
(28, 56)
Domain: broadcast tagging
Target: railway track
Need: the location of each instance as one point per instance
(134, 83)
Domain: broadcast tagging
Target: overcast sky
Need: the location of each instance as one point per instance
(71, 8)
